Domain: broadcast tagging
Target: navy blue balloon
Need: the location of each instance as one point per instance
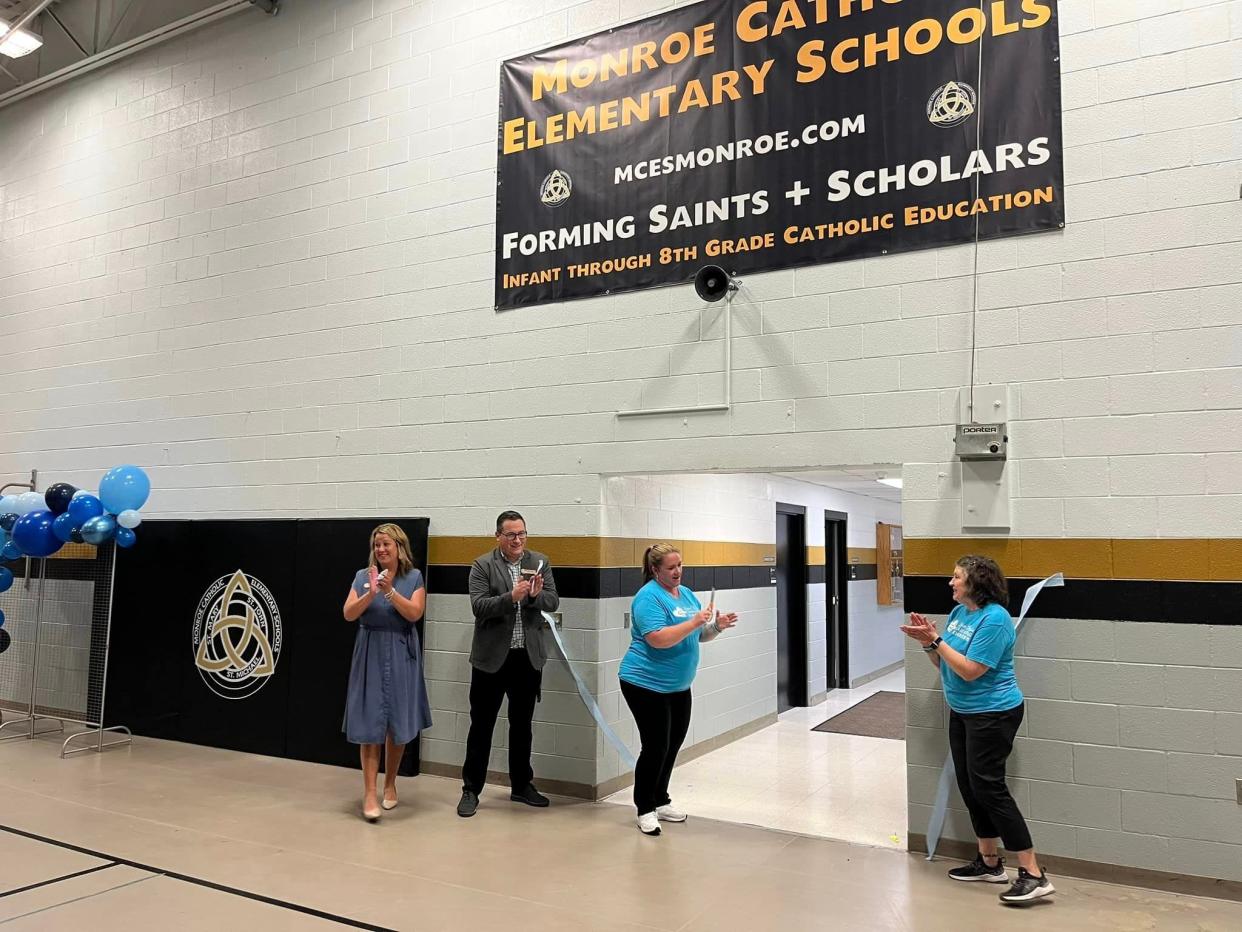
(9, 551)
(125, 537)
(8, 520)
(63, 527)
(33, 534)
(76, 536)
(83, 507)
(1, 619)
(6, 579)
(57, 497)
(5, 640)
(99, 529)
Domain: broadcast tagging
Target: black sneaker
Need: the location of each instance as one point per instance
(469, 804)
(1028, 888)
(530, 796)
(978, 870)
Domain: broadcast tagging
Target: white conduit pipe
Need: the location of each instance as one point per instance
(728, 375)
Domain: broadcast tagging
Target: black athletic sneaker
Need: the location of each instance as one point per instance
(1028, 888)
(978, 870)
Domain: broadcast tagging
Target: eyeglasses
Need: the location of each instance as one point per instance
(514, 535)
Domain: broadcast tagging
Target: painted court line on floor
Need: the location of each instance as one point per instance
(186, 878)
(52, 880)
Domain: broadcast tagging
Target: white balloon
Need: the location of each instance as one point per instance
(30, 501)
(129, 518)
(8, 504)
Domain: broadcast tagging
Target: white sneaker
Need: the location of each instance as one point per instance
(669, 814)
(648, 824)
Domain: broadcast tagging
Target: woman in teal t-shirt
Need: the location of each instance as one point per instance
(667, 624)
(975, 657)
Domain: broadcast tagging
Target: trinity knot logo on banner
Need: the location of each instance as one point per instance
(237, 636)
(556, 188)
(951, 104)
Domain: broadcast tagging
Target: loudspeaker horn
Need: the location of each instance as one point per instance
(712, 283)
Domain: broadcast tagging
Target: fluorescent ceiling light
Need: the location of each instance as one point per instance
(895, 483)
(17, 44)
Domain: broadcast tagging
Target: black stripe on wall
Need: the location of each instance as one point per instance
(580, 582)
(1175, 602)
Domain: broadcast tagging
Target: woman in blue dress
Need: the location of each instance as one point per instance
(386, 703)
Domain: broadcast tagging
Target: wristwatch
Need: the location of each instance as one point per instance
(931, 648)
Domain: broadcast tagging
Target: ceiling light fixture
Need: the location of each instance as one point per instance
(16, 43)
(895, 483)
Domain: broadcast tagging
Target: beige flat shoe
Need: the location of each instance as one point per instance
(389, 805)
(371, 815)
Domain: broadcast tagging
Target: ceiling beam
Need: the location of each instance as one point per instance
(30, 14)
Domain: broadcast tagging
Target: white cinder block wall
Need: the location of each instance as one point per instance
(258, 260)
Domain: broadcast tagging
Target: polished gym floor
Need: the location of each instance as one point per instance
(163, 835)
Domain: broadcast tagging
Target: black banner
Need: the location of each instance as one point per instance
(763, 135)
(273, 685)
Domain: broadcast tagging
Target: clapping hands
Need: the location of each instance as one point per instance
(920, 629)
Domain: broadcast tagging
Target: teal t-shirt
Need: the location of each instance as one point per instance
(667, 669)
(986, 636)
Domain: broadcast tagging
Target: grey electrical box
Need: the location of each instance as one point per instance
(980, 442)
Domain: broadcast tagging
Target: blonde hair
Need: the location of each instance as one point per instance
(653, 556)
(405, 562)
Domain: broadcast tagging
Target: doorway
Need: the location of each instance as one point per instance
(791, 633)
(836, 599)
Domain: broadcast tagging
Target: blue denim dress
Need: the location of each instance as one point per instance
(387, 693)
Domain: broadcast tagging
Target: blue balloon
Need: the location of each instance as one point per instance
(63, 527)
(83, 507)
(33, 534)
(1, 619)
(9, 551)
(6, 578)
(125, 537)
(99, 529)
(8, 519)
(123, 488)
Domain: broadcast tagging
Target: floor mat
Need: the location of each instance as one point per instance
(880, 716)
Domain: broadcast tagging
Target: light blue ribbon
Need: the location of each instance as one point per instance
(588, 700)
(935, 825)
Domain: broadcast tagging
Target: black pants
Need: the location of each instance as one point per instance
(663, 720)
(980, 744)
(520, 681)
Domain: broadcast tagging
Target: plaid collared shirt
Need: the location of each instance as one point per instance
(519, 633)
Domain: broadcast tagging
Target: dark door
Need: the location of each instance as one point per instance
(836, 577)
(791, 640)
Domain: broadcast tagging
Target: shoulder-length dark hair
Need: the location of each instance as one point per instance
(985, 583)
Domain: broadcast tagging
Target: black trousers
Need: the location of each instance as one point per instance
(520, 681)
(663, 720)
(981, 744)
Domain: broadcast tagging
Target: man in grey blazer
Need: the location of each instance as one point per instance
(509, 589)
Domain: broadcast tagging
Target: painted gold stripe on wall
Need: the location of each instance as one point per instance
(817, 555)
(74, 552)
(605, 551)
(1188, 559)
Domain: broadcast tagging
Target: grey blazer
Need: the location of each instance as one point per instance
(494, 611)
